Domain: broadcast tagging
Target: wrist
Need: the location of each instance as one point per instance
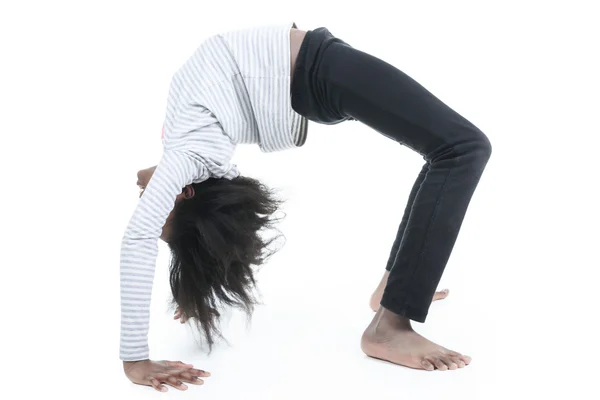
(134, 362)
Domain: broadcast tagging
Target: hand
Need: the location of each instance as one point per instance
(157, 373)
(144, 177)
(179, 315)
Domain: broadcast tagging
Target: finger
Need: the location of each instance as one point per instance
(176, 371)
(178, 315)
(170, 380)
(176, 383)
(187, 377)
(156, 385)
(178, 364)
(198, 372)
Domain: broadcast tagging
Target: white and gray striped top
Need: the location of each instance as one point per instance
(234, 89)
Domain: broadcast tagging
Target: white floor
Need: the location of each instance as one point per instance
(300, 347)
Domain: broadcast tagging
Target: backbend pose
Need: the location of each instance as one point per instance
(263, 85)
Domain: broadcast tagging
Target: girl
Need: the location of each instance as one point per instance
(261, 86)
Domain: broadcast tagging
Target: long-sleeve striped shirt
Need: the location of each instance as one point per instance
(234, 89)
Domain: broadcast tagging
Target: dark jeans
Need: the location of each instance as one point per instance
(334, 82)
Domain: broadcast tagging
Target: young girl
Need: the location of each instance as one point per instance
(261, 86)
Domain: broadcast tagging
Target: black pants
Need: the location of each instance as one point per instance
(334, 82)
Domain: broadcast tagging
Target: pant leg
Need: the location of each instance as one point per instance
(407, 209)
(336, 82)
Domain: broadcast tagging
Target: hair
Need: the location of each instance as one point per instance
(215, 240)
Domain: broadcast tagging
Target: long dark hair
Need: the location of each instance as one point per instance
(216, 239)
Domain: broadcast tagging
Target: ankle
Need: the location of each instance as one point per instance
(388, 319)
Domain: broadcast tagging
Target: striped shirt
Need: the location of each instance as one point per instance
(234, 89)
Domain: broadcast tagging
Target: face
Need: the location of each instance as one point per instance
(144, 177)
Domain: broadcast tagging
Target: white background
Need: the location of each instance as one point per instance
(83, 88)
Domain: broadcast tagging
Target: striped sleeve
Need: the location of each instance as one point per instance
(139, 247)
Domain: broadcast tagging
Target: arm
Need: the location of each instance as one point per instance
(194, 157)
(139, 248)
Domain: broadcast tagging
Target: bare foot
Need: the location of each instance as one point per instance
(391, 338)
(378, 294)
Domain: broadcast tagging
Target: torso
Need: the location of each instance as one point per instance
(296, 38)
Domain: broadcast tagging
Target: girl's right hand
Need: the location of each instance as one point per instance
(179, 315)
(158, 373)
(144, 177)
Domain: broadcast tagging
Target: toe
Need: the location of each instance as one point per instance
(439, 364)
(466, 359)
(442, 294)
(427, 365)
(451, 364)
(458, 361)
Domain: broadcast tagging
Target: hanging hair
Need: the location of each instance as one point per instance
(216, 238)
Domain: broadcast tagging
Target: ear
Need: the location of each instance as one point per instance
(188, 192)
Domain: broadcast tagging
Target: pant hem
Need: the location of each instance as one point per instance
(405, 310)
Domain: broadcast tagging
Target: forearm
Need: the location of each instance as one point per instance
(137, 274)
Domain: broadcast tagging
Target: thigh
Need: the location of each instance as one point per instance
(381, 96)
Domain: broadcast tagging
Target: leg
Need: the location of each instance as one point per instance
(375, 301)
(334, 83)
(378, 294)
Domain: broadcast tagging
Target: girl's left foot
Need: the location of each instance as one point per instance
(378, 294)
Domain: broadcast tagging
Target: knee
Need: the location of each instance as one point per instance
(484, 146)
(477, 145)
